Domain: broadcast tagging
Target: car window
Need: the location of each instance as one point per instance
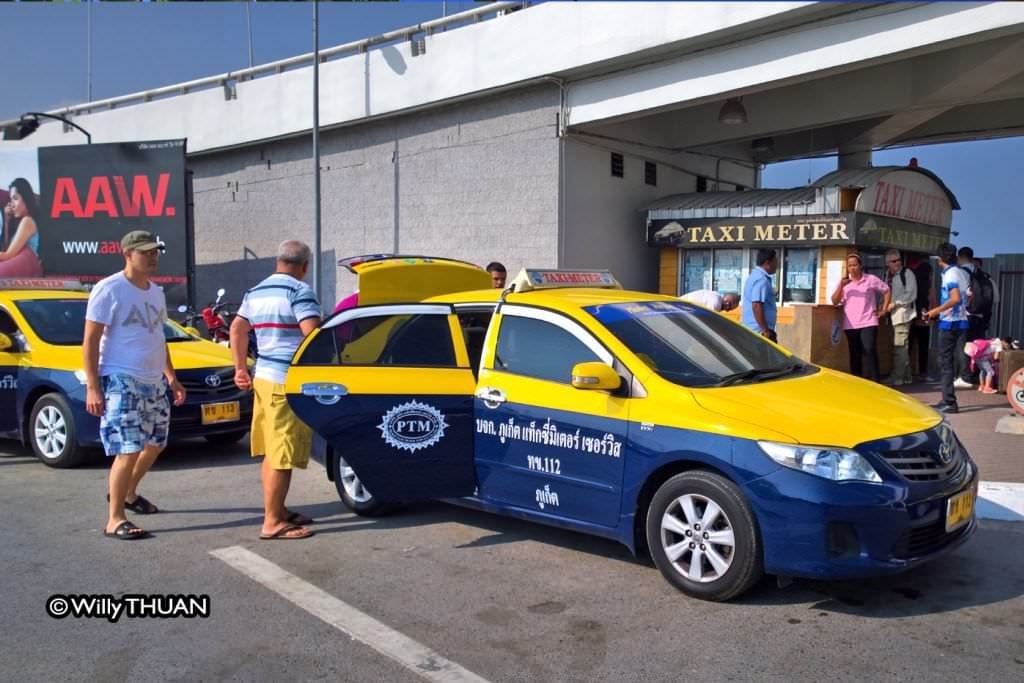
(406, 340)
(7, 324)
(62, 321)
(539, 349)
(693, 346)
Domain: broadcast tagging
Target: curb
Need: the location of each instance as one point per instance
(1000, 500)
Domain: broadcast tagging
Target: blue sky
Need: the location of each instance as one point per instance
(136, 46)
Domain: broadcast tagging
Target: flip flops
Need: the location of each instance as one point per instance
(299, 519)
(139, 505)
(126, 531)
(289, 532)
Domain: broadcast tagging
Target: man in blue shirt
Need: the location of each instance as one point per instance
(952, 315)
(759, 295)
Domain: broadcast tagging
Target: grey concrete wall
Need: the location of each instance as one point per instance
(605, 224)
(476, 180)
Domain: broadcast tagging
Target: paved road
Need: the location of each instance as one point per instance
(506, 600)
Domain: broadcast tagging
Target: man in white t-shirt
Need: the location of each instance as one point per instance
(127, 375)
(709, 298)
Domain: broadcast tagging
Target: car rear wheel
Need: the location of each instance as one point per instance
(353, 494)
(703, 537)
(52, 434)
(227, 438)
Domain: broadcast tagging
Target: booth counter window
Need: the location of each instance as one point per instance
(696, 271)
(801, 275)
(725, 270)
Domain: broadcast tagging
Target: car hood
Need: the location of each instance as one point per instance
(186, 355)
(827, 408)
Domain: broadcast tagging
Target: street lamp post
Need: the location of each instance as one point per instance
(28, 123)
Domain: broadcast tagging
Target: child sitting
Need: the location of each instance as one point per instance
(984, 355)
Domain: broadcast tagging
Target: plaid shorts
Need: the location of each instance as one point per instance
(137, 414)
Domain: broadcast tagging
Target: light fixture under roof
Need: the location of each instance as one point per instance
(732, 112)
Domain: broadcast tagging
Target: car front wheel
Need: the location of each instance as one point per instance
(703, 537)
(353, 494)
(52, 434)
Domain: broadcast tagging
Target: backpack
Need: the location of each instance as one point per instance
(982, 294)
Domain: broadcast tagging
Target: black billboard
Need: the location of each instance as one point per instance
(66, 209)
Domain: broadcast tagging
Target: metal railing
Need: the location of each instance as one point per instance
(227, 80)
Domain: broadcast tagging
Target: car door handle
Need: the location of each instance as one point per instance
(491, 396)
(324, 392)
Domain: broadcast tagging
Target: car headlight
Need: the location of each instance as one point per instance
(837, 464)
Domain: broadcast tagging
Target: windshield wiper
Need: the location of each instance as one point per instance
(759, 373)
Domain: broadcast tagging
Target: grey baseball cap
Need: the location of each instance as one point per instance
(140, 240)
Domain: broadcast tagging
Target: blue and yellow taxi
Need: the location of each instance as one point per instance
(42, 383)
(569, 401)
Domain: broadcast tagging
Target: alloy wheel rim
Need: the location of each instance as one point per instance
(51, 432)
(697, 537)
(353, 487)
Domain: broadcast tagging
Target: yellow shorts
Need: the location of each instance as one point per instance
(277, 433)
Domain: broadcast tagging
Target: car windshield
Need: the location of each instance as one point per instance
(695, 347)
(62, 321)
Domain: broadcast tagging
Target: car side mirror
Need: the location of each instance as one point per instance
(6, 343)
(594, 375)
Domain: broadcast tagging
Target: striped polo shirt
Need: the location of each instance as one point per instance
(274, 308)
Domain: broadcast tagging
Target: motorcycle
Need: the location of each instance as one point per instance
(217, 318)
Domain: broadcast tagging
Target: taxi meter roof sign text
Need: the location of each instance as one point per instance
(534, 278)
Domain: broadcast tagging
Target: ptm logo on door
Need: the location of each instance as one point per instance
(412, 426)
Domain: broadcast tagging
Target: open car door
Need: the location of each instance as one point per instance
(390, 389)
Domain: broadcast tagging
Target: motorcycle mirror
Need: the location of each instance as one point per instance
(182, 308)
(220, 292)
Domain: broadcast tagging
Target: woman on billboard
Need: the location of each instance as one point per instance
(19, 257)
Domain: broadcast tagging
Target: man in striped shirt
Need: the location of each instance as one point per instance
(282, 310)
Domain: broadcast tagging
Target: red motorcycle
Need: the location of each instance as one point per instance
(215, 318)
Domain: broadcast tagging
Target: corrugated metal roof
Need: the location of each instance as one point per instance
(821, 196)
(862, 177)
(724, 200)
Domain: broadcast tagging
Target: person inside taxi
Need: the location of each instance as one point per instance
(498, 274)
(709, 298)
(759, 313)
(283, 310)
(128, 373)
(858, 293)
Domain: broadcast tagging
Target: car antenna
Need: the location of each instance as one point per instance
(508, 290)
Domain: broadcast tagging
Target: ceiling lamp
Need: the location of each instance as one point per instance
(732, 112)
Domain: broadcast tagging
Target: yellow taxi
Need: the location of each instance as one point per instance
(42, 384)
(569, 401)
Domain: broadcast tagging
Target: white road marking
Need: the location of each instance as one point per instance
(1001, 500)
(412, 655)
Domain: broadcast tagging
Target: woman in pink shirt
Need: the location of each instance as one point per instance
(858, 293)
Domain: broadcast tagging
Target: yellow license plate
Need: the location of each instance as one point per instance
(960, 509)
(221, 412)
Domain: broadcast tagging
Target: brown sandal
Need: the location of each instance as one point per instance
(288, 532)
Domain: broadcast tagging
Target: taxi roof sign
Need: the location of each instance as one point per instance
(537, 278)
(41, 283)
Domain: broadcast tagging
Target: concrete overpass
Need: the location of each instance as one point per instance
(503, 122)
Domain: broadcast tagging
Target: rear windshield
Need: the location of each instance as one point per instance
(62, 321)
